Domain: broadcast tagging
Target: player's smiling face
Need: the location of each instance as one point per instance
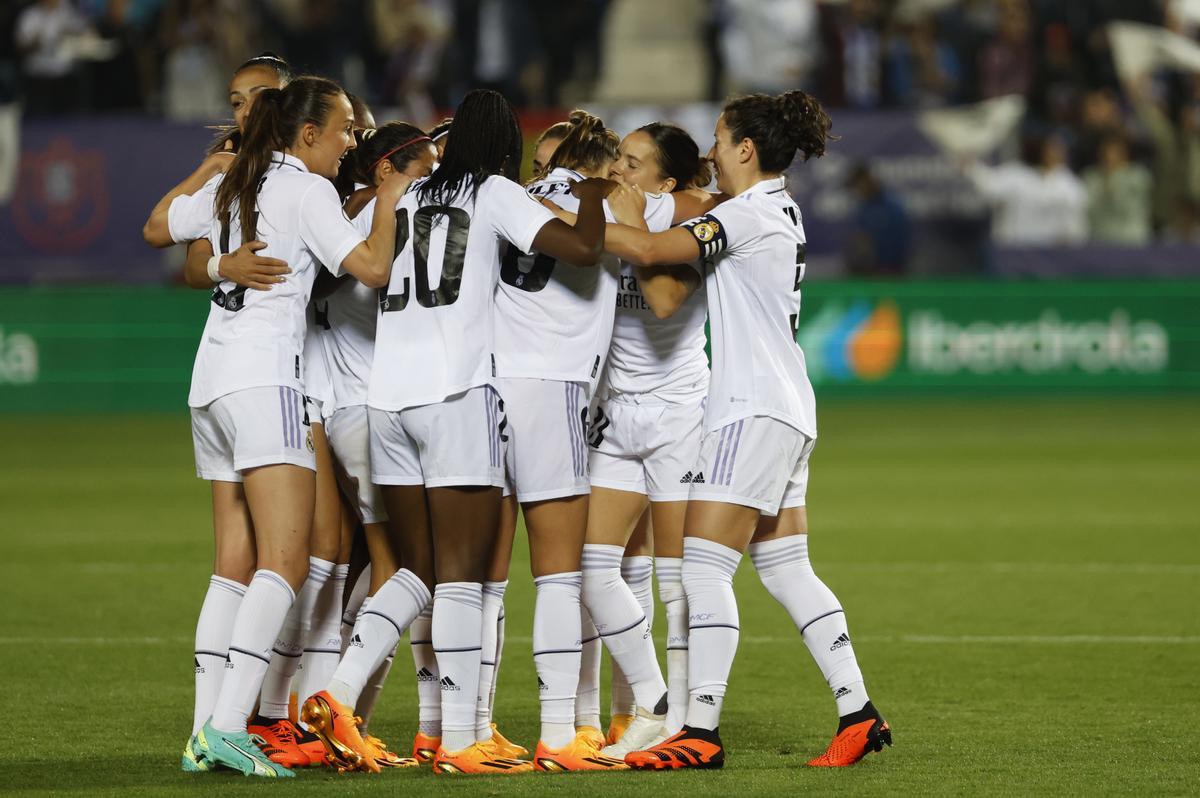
(328, 144)
(245, 86)
(724, 156)
(637, 164)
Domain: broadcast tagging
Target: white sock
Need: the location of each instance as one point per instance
(787, 575)
(457, 642)
(377, 632)
(621, 622)
(556, 652)
(636, 572)
(289, 643)
(493, 602)
(369, 696)
(670, 593)
(257, 624)
(429, 693)
(358, 596)
(587, 697)
(499, 657)
(708, 570)
(213, 628)
(323, 644)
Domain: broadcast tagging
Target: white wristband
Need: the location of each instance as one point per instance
(214, 268)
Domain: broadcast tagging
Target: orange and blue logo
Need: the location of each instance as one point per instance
(859, 341)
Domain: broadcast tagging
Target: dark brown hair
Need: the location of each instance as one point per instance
(678, 156)
(229, 134)
(397, 141)
(273, 124)
(779, 126)
(587, 146)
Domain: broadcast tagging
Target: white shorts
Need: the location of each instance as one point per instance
(546, 455)
(350, 438)
(650, 449)
(251, 428)
(450, 443)
(758, 462)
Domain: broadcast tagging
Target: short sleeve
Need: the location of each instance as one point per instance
(517, 217)
(660, 211)
(727, 226)
(190, 216)
(324, 228)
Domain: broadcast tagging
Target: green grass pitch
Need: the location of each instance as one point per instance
(1021, 576)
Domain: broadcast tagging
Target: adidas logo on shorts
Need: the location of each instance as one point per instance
(842, 640)
(696, 479)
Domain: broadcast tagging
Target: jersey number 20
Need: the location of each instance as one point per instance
(453, 257)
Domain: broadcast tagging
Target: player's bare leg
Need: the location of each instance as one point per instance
(779, 550)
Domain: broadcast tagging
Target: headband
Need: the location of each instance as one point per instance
(392, 152)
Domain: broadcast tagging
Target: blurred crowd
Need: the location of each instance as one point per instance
(1102, 157)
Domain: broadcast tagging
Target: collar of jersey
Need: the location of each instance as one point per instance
(765, 186)
(282, 159)
(571, 172)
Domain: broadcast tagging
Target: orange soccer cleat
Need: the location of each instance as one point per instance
(617, 725)
(593, 734)
(477, 759)
(858, 734)
(506, 747)
(338, 729)
(280, 741)
(425, 748)
(385, 757)
(690, 748)
(581, 753)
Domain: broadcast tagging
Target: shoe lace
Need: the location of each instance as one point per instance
(284, 732)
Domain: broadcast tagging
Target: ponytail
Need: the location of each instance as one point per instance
(780, 127)
(273, 124)
(587, 146)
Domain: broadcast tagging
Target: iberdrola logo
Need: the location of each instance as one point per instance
(859, 341)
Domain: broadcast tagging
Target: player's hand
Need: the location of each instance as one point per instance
(592, 187)
(628, 205)
(392, 189)
(247, 268)
(565, 215)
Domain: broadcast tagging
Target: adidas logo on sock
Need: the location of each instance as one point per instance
(842, 640)
(541, 685)
(448, 684)
(199, 667)
(425, 675)
(685, 478)
(706, 699)
(356, 641)
(842, 692)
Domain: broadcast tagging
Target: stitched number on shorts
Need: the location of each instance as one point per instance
(794, 319)
(533, 280)
(390, 303)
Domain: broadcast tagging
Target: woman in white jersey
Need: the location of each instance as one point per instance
(349, 319)
(436, 421)
(247, 411)
(646, 423)
(760, 427)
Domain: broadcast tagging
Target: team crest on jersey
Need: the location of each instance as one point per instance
(308, 441)
(62, 202)
(706, 231)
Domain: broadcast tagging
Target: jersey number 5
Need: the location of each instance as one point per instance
(453, 257)
(794, 319)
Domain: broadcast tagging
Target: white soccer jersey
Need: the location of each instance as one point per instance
(649, 355)
(435, 331)
(256, 338)
(347, 318)
(753, 247)
(554, 320)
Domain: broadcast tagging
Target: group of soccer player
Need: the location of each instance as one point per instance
(405, 346)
